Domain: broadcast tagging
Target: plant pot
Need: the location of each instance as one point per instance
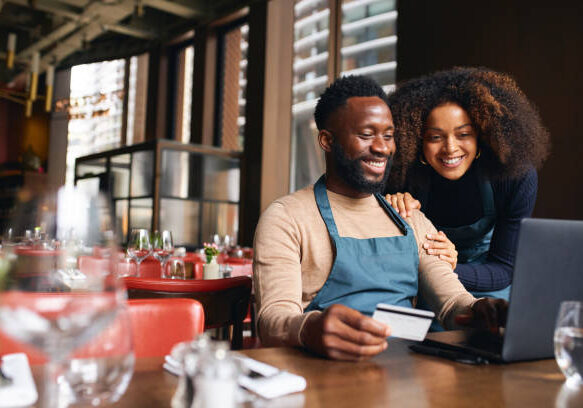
(211, 270)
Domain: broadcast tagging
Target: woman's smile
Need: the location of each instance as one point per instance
(450, 143)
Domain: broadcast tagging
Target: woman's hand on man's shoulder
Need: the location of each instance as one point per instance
(403, 203)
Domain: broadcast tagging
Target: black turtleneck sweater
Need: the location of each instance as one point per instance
(456, 203)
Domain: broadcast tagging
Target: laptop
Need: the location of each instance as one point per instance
(548, 269)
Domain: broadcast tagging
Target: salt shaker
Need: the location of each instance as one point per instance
(188, 355)
(215, 383)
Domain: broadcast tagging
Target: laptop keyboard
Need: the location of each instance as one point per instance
(485, 340)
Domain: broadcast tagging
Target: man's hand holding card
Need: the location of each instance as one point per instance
(405, 322)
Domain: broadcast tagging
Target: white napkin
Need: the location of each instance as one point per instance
(265, 380)
(22, 391)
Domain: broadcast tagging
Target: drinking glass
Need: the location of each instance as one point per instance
(139, 246)
(569, 341)
(175, 269)
(47, 302)
(225, 270)
(163, 248)
(8, 237)
(101, 370)
(229, 242)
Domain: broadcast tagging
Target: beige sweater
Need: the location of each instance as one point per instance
(293, 258)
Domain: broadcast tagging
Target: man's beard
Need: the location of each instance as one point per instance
(350, 170)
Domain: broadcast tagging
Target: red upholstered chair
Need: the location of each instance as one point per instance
(150, 268)
(225, 301)
(157, 324)
(244, 267)
(194, 265)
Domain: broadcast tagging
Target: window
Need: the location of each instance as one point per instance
(96, 107)
(95, 110)
(367, 46)
(137, 99)
(310, 77)
(369, 40)
(232, 84)
(183, 107)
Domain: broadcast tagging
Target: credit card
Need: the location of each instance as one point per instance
(405, 322)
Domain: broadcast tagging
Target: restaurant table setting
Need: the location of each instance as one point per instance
(63, 306)
(153, 255)
(212, 376)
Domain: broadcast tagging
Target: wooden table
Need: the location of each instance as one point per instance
(396, 378)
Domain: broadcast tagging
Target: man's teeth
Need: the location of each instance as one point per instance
(452, 161)
(375, 163)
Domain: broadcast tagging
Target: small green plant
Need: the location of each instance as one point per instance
(210, 251)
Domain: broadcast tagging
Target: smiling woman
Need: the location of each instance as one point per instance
(469, 143)
(450, 143)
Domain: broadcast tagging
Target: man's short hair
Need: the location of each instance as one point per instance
(340, 90)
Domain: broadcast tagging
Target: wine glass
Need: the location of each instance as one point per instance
(51, 308)
(163, 248)
(139, 246)
(102, 369)
(568, 341)
(217, 240)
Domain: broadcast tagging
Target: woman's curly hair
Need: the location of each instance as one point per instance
(511, 135)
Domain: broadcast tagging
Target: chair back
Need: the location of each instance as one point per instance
(157, 325)
(225, 301)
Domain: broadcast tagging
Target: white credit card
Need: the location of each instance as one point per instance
(405, 322)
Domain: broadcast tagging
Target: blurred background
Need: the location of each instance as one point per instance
(192, 116)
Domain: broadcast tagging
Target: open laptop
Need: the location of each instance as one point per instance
(548, 269)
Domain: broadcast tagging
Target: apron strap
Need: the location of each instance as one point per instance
(326, 210)
(392, 213)
(324, 206)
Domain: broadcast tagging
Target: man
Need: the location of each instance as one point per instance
(327, 254)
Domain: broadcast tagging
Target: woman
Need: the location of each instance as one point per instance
(469, 143)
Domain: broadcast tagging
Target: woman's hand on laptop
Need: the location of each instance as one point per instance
(485, 313)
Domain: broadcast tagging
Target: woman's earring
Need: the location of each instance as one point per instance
(423, 162)
(478, 155)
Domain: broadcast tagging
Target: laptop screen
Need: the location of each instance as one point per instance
(548, 269)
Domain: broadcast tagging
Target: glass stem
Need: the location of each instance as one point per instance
(54, 388)
(163, 266)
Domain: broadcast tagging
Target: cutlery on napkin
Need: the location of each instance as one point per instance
(263, 379)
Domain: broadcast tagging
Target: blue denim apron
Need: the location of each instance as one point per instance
(368, 271)
(473, 241)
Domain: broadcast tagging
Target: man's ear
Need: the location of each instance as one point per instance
(325, 139)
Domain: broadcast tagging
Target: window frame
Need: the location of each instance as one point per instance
(221, 33)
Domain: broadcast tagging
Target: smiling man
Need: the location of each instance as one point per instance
(327, 254)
